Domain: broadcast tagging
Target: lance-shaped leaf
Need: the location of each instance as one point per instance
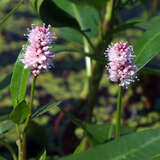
(6, 126)
(88, 22)
(43, 156)
(138, 146)
(147, 46)
(97, 133)
(19, 80)
(104, 132)
(51, 14)
(44, 109)
(97, 4)
(82, 146)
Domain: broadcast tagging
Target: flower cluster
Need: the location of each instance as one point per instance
(38, 56)
(121, 67)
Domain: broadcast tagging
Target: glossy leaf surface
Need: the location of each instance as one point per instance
(97, 4)
(148, 46)
(52, 14)
(19, 81)
(142, 145)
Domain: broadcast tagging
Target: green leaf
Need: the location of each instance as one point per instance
(52, 14)
(5, 82)
(145, 24)
(97, 4)
(6, 126)
(11, 12)
(103, 132)
(137, 23)
(89, 21)
(82, 146)
(122, 27)
(71, 35)
(148, 46)
(43, 156)
(97, 133)
(19, 80)
(43, 109)
(140, 146)
(20, 112)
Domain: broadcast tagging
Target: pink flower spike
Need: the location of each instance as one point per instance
(121, 67)
(38, 56)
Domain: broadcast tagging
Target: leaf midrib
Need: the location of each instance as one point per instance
(146, 44)
(134, 150)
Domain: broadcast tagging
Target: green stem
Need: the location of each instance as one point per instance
(88, 61)
(19, 142)
(9, 147)
(31, 104)
(118, 115)
(88, 69)
(97, 72)
(108, 15)
(109, 8)
(97, 68)
(11, 12)
(23, 156)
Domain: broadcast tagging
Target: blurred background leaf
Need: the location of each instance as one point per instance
(5, 82)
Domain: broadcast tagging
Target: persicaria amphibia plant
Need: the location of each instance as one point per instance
(38, 56)
(87, 35)
(121, 67)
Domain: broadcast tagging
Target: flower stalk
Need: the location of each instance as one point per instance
(31, 104)
(23, 150)
(118, 112)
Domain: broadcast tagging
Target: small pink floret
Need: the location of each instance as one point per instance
(121, 67)
(38, 56)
